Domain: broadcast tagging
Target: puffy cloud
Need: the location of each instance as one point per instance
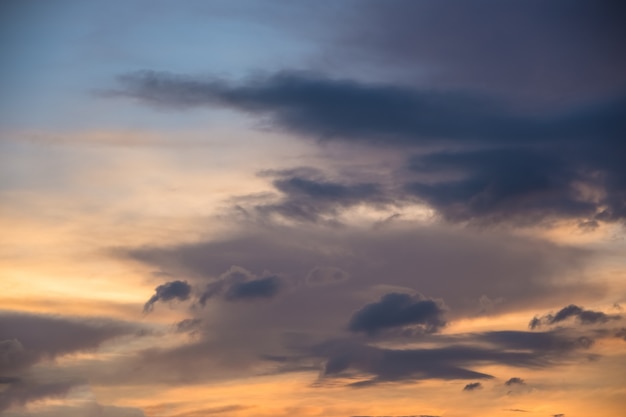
(514, 381)
(573, 311)
(472, 386)
(173, 290)
(397, 310)
(239, 284)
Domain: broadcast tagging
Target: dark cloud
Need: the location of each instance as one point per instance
(259, 288)
(509, 164)
(472, 386)
(173, 290)
(621, 333)
(558, 415)
(307, 196)
(397, 310)
(524, 49)
(313, 104)
(517, 410)
(514, 381)
(513, 185)
(371, 365)
(239, 284)
(573, 311)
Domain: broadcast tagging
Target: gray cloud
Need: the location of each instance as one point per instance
(467, 267)
(573, 311)
(453, 360)
(397, 310)
(313, 104)
(308, 196)
(487, 45)
(173, 290)
(21, 393)
(514, 381)
(472, 386)
(28, 338)
(513, 164)
(239, 284)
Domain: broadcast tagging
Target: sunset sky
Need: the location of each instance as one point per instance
(312, 208)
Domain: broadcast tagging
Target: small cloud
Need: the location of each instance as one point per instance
(473, 386)
(259, 288)
(572, 311)
(515, 381)
(174, 290)
(240, 284)
(398, 310)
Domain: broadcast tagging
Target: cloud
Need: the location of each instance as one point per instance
(513, 184)
(397, 310)
(173, 290)
(308, 196)
(509, 165)
(514, 381)
(468, 267)
(259, 288)
(21, 393)
(487, 45)
(26, 339)
(312, 104)
(452, 360)
(30, 339)
(472, 386)
(572, 311)
(239, 284)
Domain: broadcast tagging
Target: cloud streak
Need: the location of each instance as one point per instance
(582, 315)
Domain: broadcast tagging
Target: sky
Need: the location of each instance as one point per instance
(293, 208)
